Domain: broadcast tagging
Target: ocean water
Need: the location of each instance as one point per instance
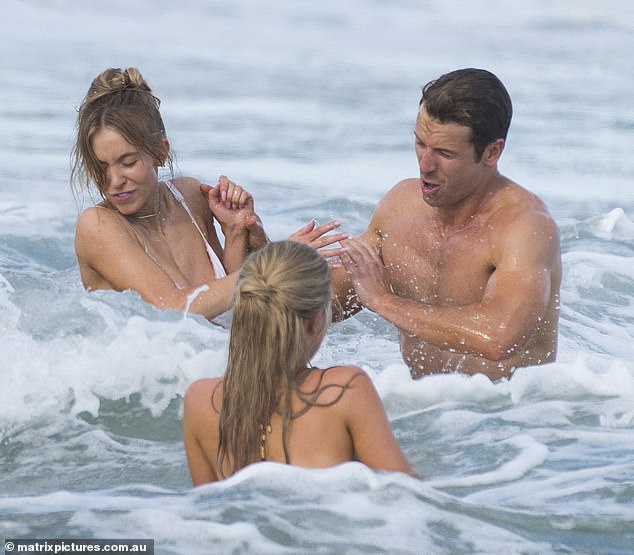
(311, 106)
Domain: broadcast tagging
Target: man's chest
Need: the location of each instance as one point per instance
(449, 270)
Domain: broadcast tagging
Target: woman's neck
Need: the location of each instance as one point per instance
(150, 214)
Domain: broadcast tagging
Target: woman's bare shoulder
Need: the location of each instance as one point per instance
(202, 405)
(96, 215)
(343, 372)
(95, 224)
(188, 186)
(190, 189)
(346, 376)
(202, 389)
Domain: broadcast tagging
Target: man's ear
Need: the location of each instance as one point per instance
(493, 151)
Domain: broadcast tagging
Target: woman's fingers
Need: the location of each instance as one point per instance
(315, 235)
(233, 196)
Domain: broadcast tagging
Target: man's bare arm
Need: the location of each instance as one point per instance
(501, 324)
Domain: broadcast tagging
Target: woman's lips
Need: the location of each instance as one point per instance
(122, 197)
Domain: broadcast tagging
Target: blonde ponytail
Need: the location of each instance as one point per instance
(278, 289)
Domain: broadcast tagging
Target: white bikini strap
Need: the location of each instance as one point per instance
(219, 269)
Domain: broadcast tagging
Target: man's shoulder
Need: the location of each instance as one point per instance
(514, 202)
(402, 204)
(405, 195)
(520, 218)
(405, 187)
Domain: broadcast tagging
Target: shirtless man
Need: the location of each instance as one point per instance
(462, 260)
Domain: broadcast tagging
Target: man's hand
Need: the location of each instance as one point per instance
(367, 272)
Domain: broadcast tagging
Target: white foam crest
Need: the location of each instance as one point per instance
(192, 297)
(575, 486)
(9, 313)
(587, 268)
(576, 380)
(603, 439)
(151, 359)
(617, 418)
(596, 332)
(5, 286)
(531, 454)
(269, 507)
(27, 219)
(395, 381)
(30, 388)
(155, 359)
(76, 501)
(614, 225)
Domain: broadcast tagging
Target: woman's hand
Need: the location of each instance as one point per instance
(231, 205)
(314, 235)
(257, 235)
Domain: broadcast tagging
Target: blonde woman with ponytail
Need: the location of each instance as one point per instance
(271, 404)
(151, 236)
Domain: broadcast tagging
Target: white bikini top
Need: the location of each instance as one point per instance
(224, 319)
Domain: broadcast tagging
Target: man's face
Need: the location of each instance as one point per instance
(449, 171)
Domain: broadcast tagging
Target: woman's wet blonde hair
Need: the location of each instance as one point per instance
(122, 100)
(279, 288)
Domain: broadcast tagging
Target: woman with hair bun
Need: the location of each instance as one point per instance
(157, 237)
(272, 404)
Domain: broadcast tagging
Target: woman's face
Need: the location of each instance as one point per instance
(131, 175)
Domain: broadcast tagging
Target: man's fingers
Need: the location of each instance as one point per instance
(346, 258)
(331, 253)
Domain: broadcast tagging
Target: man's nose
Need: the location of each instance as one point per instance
(426, 161)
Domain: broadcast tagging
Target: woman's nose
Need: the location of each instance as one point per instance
(115, 178)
